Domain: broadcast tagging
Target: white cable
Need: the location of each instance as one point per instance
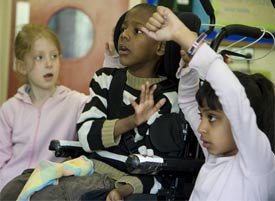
(232, 44)
(246, 46)
(271, 49)
(213, 25)
(250, 44)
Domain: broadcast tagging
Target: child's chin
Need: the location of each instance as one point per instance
(124, 62)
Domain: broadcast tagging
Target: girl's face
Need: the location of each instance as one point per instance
(216, 133)
(42, 65)
(137, 51)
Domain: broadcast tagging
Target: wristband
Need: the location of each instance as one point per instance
(191, 51)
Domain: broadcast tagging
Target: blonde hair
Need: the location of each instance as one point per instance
(26, 38)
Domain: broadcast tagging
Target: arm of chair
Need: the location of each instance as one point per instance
(140, 164)
(66, 148)
(135, 163)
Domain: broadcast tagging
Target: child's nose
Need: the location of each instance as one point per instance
(49, 63)
(202, 129)
(125, 34)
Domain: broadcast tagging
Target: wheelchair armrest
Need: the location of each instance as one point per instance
(66, 148)
(140, 164)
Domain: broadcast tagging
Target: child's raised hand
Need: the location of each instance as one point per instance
(146, 106)
(163, 25)
(110, 49)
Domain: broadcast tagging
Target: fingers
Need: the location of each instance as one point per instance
(163, 10)
(147, 93)
(107, 48)
(142, 94)
(146, 106)
(110, 47)
(159, 104)
(184, 56)
(149, 33)
(152, 90)
(112, 35)
(155, 22)
(133, 103)
(153, 27)
(161, 25)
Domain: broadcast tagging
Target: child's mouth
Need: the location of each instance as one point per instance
(205, 144)
(48, 76)
(123, 50)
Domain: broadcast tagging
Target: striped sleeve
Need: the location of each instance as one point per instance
(91, 123)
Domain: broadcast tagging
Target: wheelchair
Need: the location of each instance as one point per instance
(189, 151)
(189, 165)
(174, 169)
(174, 178)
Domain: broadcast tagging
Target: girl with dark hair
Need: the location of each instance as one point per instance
(232, 116)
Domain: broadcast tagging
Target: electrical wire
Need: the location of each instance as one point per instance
(213, 25)
(250, 44)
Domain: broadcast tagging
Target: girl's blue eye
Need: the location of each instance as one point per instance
(54, 56)
(39, 58)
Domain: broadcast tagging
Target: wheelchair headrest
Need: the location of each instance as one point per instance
(170, 61)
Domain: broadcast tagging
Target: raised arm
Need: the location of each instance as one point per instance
(252, 144)
(164, 25)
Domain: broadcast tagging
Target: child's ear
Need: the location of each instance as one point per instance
(21, 67)
(161, 48)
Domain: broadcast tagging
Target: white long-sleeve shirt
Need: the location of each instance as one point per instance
(250, 174)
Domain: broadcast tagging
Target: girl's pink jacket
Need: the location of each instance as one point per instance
(26, 130)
